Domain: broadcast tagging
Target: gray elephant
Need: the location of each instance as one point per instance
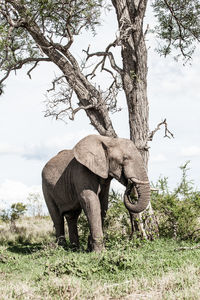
(80, 179)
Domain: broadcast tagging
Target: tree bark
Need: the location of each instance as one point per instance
(130, 16)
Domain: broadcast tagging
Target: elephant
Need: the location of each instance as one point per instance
(79, 179)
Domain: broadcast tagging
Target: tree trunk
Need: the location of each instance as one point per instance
(130, 15)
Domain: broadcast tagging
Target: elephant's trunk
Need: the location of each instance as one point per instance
(143, 191)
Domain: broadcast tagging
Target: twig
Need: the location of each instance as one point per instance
(168, 133)
(74, 111)
(19, 64)
(29, 72)
(54, 83)
(104, 54)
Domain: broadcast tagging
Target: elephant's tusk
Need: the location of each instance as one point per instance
(135, 180)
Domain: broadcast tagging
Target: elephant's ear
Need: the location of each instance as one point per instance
(90, 152)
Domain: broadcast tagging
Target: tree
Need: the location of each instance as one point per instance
(13, 213)
(35, 31)
(35, 204)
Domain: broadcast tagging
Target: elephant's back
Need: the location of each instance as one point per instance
(55, 167)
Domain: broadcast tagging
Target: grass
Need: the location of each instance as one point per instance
(32, 266)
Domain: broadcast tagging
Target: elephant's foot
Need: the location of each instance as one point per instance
(98, 248)
(74, 246)
(95, 244)
(61, 241)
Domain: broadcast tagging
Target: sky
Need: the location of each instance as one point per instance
(28, 140)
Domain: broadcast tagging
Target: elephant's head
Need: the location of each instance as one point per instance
(118, 158)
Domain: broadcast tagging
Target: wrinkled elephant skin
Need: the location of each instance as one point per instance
(80, 179)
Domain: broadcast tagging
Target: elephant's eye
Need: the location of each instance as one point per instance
(125, 158)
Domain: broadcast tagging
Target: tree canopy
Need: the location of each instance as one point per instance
(57, 21)
(178, 26)
(43, 31)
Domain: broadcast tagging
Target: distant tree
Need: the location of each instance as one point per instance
(35, 31)
(34, 204)
(4, 216)
(13, 213)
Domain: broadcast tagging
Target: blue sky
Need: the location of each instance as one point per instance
(28, 140)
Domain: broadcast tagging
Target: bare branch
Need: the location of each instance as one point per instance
(19, 64)
(54, 83)
(146, 30)
(45, 35)
(58, 46)
(29, 72)
(168, 133)
(80, 108)
(110, 95)
(104, 54)
(63, 98)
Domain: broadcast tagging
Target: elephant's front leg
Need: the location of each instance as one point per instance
(91, 206)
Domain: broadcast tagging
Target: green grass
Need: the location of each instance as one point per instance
(32, 266)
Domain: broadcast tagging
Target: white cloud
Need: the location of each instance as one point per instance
(158, 158)
(190, 151)
(42, 149)
(15, 191)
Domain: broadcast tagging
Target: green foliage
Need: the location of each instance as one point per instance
(4, 215)
(14, 212)
(126, 261)
(39, 266)
(53, 271)
(178, 211)
(116, 225)
(117, 218)
(17, 210)
(178, 26)
(57, 20)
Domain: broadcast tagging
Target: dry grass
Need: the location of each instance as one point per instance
(27, 229)
(183, 284)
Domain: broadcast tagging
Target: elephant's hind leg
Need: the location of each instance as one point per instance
(72, 218)
(57, 218)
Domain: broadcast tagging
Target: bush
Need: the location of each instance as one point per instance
(177, 211)
(116, 224)
(12, 214)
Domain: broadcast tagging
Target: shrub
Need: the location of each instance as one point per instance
(12, 214)
(177, 211)
(117, 224)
